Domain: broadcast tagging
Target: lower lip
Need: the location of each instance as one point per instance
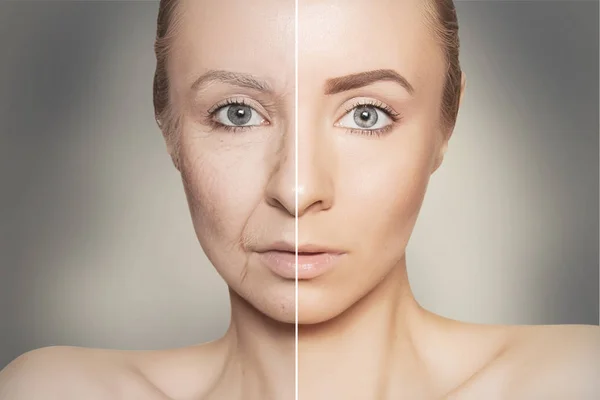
(310, 266)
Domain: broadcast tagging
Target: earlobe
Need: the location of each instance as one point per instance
(440, 156)
(172, 150)
(463, 84)
(175, 163)
(174, 156)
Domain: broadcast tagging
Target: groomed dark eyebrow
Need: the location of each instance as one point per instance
(361, 79)
(232, 78)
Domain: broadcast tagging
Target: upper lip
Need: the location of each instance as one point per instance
(302, 249)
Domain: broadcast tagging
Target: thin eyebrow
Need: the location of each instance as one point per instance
(233, 78)
(361, 79)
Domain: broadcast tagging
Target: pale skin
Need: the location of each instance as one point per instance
(362, 335)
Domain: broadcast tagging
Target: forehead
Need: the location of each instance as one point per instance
(335, 38)
(341, 37)
(255, 37)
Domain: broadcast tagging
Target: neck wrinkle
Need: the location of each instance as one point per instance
(261, 353)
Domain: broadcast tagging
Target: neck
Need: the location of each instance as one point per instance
(261, 361)
(367, 352)
(360, 352)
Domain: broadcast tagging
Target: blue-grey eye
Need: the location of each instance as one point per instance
(239, 115)
(365, 117)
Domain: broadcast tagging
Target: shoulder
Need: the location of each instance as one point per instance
(187, 372)
(532, 362)
(561, 361)
(73, 373)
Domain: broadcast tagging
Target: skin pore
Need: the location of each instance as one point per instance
(370, 95)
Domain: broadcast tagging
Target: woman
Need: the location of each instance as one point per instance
(379, 85)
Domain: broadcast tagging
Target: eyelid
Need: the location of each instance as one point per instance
(247, 101)
(351, 104)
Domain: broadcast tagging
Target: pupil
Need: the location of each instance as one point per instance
(365, 117)
(239, 114)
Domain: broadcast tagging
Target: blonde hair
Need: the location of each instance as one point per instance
(439, 14)
(442, 19)
(163, 112)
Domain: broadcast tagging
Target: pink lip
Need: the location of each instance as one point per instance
(311, 264)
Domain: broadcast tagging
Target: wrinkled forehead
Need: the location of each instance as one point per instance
(342, 37)
(254, 37)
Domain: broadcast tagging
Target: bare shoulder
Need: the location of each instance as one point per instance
(561, 361)
(531, 362)
(74, 373)
(67, 373)
(188, 372)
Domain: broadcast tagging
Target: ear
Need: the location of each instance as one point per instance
(173, 153)
(446, 137)
(463, 85)
(172, 148)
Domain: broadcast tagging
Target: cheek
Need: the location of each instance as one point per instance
(386, 183)
(223, 186)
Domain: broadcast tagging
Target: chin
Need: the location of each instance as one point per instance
(316, 307)
(316, 315)
(282, 316)
(276, 301)
(326, 300)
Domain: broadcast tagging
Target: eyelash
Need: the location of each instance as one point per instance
(393, 115)
(210, 120)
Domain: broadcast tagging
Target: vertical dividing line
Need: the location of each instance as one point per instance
(599, 187)
(296, 191)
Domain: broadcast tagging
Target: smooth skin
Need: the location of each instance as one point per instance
(362, 335)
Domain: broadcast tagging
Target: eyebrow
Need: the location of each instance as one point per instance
(232, 78)
(361, 79)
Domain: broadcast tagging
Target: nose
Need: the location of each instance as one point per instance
(281, 187)
(306, 173)
(315, 188)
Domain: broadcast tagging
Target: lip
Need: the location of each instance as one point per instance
(313, 260)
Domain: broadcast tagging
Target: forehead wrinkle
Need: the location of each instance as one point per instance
(240, 79)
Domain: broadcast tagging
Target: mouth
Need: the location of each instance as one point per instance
(312, 261)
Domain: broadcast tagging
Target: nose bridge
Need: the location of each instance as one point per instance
(281, 186)
(314, 163)
(303, 165)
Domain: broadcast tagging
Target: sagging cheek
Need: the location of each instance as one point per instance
(222, 186)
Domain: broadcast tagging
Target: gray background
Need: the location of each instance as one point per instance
(96, 244)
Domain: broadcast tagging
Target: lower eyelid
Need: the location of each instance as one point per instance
(371, 132)
(236, 128)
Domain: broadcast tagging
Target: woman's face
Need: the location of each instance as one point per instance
(367, 143)
(370, 80)
(232, 72)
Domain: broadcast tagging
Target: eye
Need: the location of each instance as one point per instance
(238, 115)
(366, 117)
